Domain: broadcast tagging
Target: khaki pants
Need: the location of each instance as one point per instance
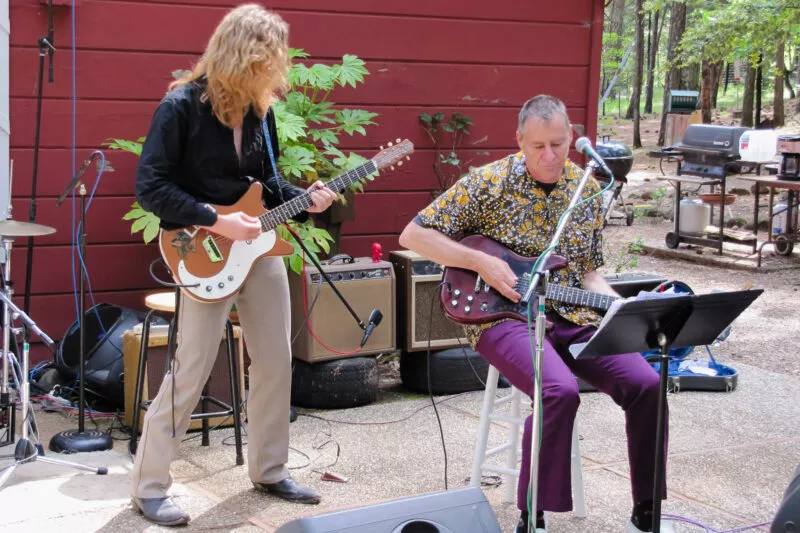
(263, 307)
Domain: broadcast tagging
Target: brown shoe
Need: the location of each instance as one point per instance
(290, 490)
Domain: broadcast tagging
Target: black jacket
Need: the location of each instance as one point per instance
(189, 159)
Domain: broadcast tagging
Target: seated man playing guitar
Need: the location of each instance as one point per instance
(211, 136)
(517, 201)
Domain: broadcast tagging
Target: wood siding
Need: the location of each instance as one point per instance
(482, 60)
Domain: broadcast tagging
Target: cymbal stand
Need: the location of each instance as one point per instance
(26, 450)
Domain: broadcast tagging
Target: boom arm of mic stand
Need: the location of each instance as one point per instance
(28, 322)
(537, 277)
(328, 280)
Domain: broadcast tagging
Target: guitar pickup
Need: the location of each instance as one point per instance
(212, 250)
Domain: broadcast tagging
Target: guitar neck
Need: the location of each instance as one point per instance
(575, 296)
(274, 218)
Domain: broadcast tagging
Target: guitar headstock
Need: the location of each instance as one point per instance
(387, 157)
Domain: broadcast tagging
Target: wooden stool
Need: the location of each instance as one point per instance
(515, 424)
(169, 302)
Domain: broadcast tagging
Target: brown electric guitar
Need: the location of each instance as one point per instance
(467, 299)
(212, 267)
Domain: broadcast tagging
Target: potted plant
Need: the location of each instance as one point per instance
(309, 130)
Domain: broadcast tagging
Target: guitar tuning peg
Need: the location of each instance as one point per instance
(408, 158)
(397, 140)
(391, 167)
(388, 144)
(399, 163)
(381, 147)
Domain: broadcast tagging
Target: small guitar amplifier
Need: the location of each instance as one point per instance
(366, 286)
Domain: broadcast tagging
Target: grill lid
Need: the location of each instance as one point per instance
(722, 140)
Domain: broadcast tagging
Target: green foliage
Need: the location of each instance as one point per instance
(316, 240)
(448, 165)
(309, 130)
(628, 257)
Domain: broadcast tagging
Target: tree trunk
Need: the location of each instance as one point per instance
(778, 118)
(677, 25)
(651, 63)
(691, 77)
(759, 82)
(617, 16)
(637, 80)
(786, 79)
(718, 73)
(706, 90)
(747, 98)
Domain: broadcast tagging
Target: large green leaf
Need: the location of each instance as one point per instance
(290, 126)
(354, 120)
(353, 70)
(296, 161)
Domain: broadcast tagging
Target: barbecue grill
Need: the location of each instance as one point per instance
(710, 153)
(619, 158)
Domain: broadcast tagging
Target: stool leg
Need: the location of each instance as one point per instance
(482, 437)
(511, 454)
(236, 396)
(137, 396)
(204, 441)
(578, 496)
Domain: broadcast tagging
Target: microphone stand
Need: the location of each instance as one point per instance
(93, 440)
(539, 286)
(45, 48)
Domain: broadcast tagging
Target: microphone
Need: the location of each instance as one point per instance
(77, 178)
(375, 318)
(584, 146)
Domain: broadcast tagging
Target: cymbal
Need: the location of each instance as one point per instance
(13, 228)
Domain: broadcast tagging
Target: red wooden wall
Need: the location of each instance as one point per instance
(479, 58)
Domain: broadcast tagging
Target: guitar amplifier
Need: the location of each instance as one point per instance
(366, 286)
(219, 385)
(418, 280)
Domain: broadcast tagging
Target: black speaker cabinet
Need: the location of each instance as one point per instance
(219, 380)
(456, 511)
(366, 286)
(788, 518)
(418, 279)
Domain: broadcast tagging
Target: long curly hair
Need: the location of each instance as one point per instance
(246, 62)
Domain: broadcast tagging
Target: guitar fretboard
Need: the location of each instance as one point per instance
(274, 218)
(574, 296)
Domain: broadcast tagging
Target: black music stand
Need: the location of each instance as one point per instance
(663, 323)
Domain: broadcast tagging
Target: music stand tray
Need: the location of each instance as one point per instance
(663, 323)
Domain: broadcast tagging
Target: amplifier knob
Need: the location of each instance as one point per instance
(470, 298)
(454, 303)
(467, 309)
(457, 293)
(352, 275)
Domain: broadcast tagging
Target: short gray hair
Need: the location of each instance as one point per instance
(543, 107)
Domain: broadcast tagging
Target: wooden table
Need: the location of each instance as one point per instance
(784, 242)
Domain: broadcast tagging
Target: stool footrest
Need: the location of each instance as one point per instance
(498, 449)
(506, 418)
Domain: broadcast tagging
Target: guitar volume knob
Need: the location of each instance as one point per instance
(467, 309)
(454, 303)
(457, 293)
(208, 288)
(470, 298)
(221, 285)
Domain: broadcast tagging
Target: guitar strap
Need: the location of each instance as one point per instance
(271, 155)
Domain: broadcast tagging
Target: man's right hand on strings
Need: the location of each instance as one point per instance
(498, 275)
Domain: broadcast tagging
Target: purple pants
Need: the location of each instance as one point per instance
(627, 378)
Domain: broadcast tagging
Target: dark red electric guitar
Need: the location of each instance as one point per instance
(467, 299)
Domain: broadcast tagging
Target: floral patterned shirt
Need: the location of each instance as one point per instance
(501, 200)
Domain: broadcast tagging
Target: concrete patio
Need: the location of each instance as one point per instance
(730, 459)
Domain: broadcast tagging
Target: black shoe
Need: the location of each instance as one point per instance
(162, 511)
(290, 490)
(522, 525)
